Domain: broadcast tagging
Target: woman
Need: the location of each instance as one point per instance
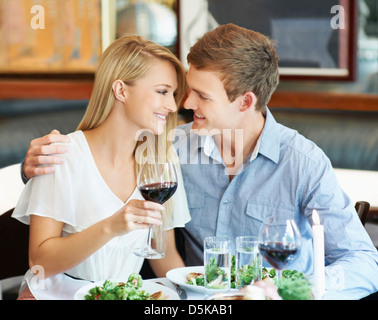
(86, 217)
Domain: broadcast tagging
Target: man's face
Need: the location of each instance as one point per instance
(209, 102)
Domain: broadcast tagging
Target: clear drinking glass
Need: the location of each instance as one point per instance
(157, 182)
(217, 262)
(248, 261)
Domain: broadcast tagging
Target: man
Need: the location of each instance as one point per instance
(240, 166)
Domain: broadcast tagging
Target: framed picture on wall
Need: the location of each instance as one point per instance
(63, 39)
(315, 39)
(49, 37)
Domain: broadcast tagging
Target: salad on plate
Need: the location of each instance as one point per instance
(117, 290)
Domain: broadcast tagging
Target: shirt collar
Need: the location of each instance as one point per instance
(270, 138)
(268, 143)
(210, 149)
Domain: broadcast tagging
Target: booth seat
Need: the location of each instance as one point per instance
(24, 120)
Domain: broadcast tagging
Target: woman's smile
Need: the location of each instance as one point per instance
(161, 116)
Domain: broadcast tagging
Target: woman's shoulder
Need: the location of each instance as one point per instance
(77, 146)
(77, 158)
(77, 138)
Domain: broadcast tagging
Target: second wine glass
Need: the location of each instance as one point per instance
(280, 242)
(156, 182)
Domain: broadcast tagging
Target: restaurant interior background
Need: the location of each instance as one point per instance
(49, 50)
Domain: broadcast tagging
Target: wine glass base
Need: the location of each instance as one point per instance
(149, 253)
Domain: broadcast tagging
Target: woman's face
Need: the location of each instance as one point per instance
(150, 99)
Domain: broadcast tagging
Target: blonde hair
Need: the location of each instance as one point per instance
(129, 59)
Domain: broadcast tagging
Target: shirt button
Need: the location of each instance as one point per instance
(225, 202)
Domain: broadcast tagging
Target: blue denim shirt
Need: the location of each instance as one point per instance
(286, 175)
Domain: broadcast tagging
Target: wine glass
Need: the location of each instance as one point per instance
(280, 242)
(157, 182)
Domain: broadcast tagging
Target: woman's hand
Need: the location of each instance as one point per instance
(136, 214)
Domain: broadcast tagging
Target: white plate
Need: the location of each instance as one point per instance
(149, 286)
(178, 276)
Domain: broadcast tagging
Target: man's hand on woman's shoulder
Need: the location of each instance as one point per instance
(43, 154)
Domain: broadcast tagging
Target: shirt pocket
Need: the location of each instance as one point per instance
(196, 200)
(256, 213)
(196, 204)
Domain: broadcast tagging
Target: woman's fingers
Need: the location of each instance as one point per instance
(146, 212)
(139, 214)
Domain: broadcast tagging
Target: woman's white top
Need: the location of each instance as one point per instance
(77, 195)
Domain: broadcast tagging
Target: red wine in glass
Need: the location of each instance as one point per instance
(157, 182)
(158, 192)
(280, 242)
(278, 254)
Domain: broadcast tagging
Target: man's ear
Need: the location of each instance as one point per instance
(248, 100)
(119, 90)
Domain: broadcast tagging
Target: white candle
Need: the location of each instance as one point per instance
(319, 265)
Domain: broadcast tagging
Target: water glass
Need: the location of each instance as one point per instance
(248, 261)
(217, 261)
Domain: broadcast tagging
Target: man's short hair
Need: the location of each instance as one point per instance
(245, 60)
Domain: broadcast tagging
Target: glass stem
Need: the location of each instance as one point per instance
(278, 276)
(149, 238)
